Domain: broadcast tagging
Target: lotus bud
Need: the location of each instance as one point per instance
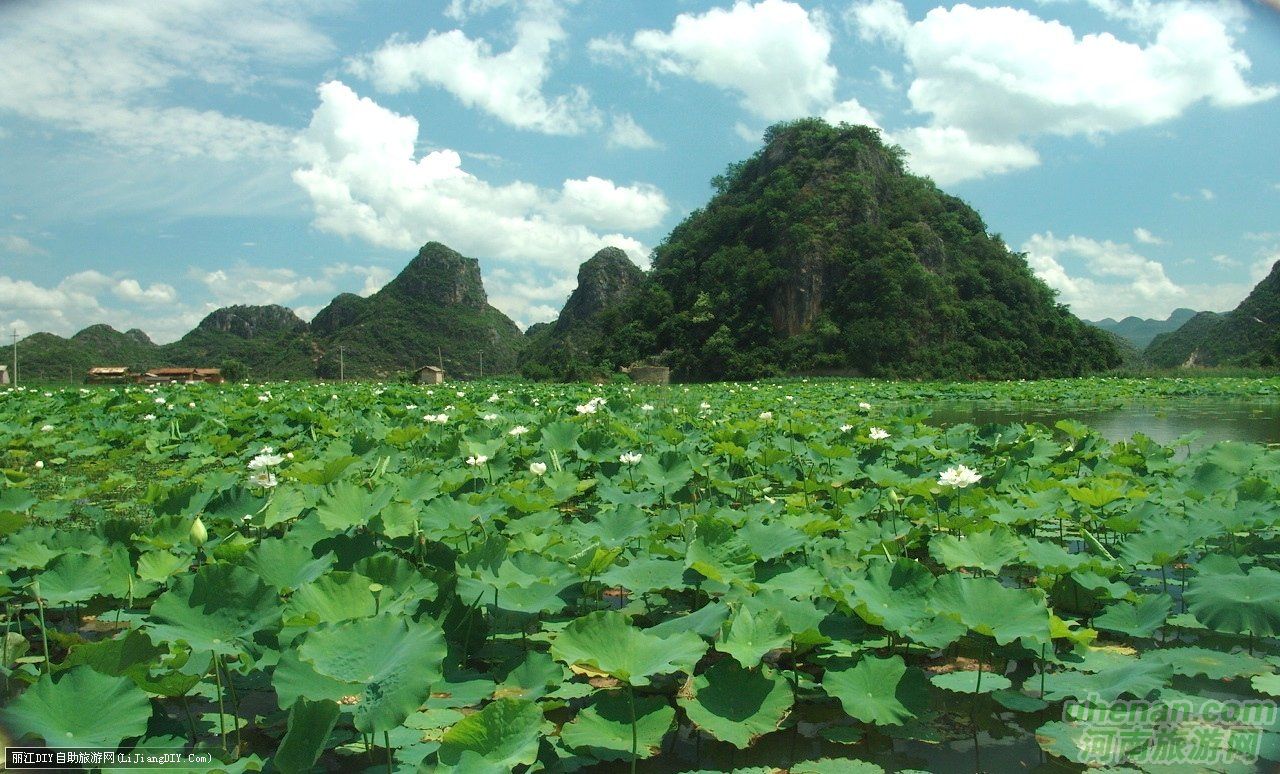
(198, 533)
(894, 497)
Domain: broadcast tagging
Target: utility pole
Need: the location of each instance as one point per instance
(481, 365)
(15, 356)
(439, 358)
(342, 369)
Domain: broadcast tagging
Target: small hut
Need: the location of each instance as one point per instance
(648, 374)
(4, 374)
(172, 375)
(429, 374)
(108, 375)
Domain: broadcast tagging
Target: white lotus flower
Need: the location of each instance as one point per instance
(518, 430)
(765, 416)
(878, 434)
(537, 468)
(647, 407)
(47, 429)
(263, 478)
(160, 401)
(845, 428)
(630, 458)
(864, 405)
(489, 417)
(39, 464)
(149, 417)
(960, 476)
(265, 461)
(479, 459)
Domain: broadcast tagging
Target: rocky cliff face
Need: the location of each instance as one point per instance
(441, 276)
(344, 310)
(605, 279)
(248, 322)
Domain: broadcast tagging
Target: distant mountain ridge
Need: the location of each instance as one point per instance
(1248, 335)
(435, 309)
(1140, 331)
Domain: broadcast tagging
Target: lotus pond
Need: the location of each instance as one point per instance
(804, 576)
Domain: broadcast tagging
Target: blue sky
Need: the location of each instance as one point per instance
(158, 160)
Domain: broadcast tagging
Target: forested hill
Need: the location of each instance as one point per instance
(435, 310)
(1248, 335)
(821, 253)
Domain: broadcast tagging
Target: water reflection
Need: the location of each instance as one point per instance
(1164, 422)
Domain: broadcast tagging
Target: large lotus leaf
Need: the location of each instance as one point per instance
(131, 655)
(1137, 678)
(606, 642)
(643, 575)
(989, 550)
(218, 609)
(74, 578)
(704, 621)
(1050, 557)
(970, 681)
(1213, 664)
(603, 730)
(835, 766)
(83, 709)
(1242, 604)
(295, 679)
(287, 564)
(524, 583)
(536, 676)
(737, 705)
(988, 607)
(769, 541)
(668, 471)
(388, 662)
(749, 636)
(727, 561)
(893, 595)
(1268, 684)
(882, 691)
(307, 735)
(351, 505)
(801, 616)
(338, 596)
(498, 738)
(1136, 620)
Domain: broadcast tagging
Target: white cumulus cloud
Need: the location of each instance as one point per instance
(1001, 76)
(1146, 237)
(508, 85)
(772, 53)
(360, 169)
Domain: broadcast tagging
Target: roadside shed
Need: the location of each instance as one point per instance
(429, 374)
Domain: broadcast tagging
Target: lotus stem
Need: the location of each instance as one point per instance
(631, 695)
(386, 742)
(222, 719)
(44, 635)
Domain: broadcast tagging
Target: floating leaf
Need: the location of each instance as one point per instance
(605, 641)
(603, 729)
(988, 607)
(970, 681)
(737, 705)
(882, 691)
